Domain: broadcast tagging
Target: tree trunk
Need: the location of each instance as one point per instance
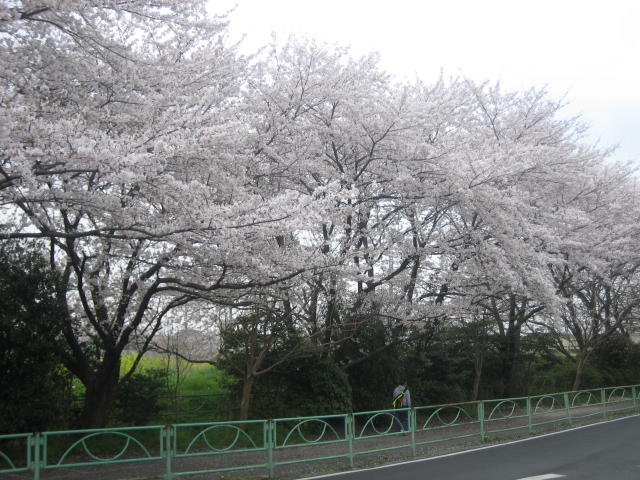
(246, 397)
(514, 386)
(509, 353)
(99, 399)
(477, 372)
(603, 351)
(582, 362)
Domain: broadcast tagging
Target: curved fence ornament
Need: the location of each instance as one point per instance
(239, 434)
(17, 460)
(506, 409)
(83, 441)
(186, 410)
(618, 394)
(548, 404)
(447, 419)
(584, 398)
(7, 461)
(373, 421)
(298, 429)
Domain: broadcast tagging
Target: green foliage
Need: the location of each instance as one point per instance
(613, 363)
(373, 380)
(149, 361)
(201, 378)
(34, 386)
(308, 384)
(203, 396)
(443, 372)
(444, 368)
(207, 379)
(508, 374)
(619, 360)
(316, 385)
(138, 401)
(540, 358)
(565, 375)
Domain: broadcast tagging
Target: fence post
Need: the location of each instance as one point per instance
(635, 400)
(412, 426)
(603, 396)
(36, 443)
(270, 446)
(350, 430)
(529, 414)
(168, 449)
(481, 419)
(568, 405)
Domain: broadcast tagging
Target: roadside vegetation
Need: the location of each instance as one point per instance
(309, 385)
(451, 365)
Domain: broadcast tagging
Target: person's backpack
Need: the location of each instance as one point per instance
(397, 402)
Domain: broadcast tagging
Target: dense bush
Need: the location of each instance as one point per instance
(139, 399)
(34, 387)
(306, 385)
(619, 360)
(373, 379)
(444, 369)
(442, 373)
(565, 375)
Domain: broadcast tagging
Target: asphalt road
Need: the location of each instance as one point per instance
(604, 451)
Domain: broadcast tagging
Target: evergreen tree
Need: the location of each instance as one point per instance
(33, 384)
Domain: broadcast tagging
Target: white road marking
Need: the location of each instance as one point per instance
(548, 476)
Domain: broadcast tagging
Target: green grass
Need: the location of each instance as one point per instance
(204, 380)
(198, 378)
(202, 394)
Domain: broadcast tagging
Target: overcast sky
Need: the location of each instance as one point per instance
(588, 50)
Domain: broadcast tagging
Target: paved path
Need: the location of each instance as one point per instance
(604, 451)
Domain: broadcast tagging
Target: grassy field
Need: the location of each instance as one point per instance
(193, 393)
(190, 378)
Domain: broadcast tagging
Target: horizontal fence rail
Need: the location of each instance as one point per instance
(187, 449)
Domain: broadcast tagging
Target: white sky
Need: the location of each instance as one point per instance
(589, 50)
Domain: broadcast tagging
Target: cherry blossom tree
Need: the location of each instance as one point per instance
(430, 201)
(339, 131)
(524, 191)
(599, 281)
(120, 146)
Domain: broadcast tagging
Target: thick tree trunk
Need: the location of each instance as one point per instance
(582, 362)
(246, 397)
(516, 381)
(477, 373)
(512, 366)
(578, 379)
(99, 399)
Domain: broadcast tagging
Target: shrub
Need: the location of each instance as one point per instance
(34, 386)
(372, 380)
(138, 402)
(307, 385)
(565, 375)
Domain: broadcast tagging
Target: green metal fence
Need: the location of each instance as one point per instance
(174, 451)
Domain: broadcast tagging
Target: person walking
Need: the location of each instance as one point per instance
(402, 404)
